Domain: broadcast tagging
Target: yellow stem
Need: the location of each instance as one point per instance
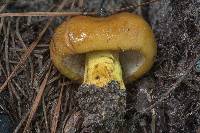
(101, 67)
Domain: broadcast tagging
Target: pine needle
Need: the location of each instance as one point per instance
(37, 101)
(29, 50)
(57, 112)
(50, 14)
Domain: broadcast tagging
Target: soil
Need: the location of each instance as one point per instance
(165, 100)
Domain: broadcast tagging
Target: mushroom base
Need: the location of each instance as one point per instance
(101, 67)
(102, 109)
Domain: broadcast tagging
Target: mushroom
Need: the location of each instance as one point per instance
(97, 50)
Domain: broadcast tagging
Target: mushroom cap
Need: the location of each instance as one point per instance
(126, 32)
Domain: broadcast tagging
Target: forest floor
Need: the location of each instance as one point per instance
(39, 99)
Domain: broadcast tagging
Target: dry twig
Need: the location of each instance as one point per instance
(45, 115)
(50, 14)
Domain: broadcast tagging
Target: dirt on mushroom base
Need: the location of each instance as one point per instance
(103, 108)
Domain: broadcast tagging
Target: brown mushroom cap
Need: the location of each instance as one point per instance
(125, 32)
